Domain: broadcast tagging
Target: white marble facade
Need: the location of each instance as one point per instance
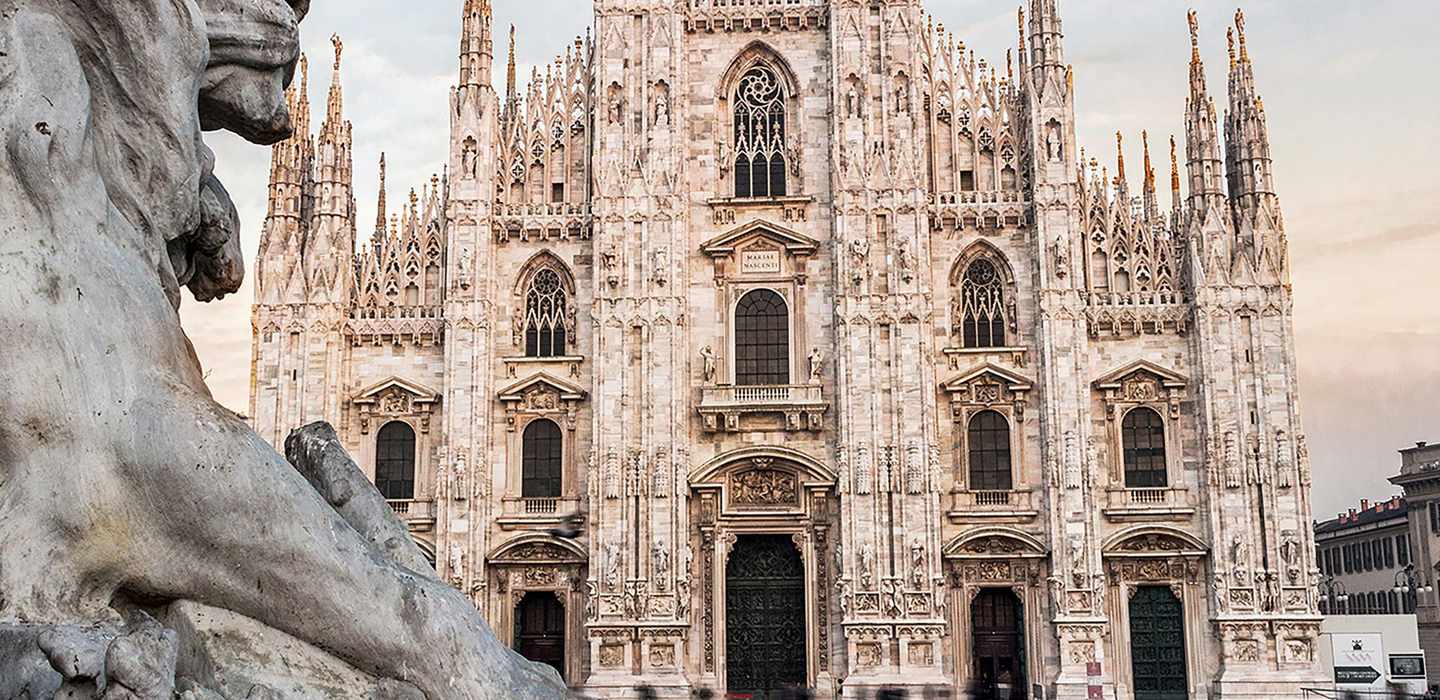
(990, 368)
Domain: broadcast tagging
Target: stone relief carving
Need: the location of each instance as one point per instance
(1233, 477)
(1073, 468)
(764, 487)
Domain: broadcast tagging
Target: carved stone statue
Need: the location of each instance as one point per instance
(458, 474)
(817, 364)
(905, 260)
(707, 358)
(108, 206)
(660, 560)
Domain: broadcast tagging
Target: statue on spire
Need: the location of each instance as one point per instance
(339, 47)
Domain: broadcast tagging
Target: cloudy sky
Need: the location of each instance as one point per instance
(1347, 85)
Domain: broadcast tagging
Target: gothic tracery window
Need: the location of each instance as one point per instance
(395, 461)
(1143, 439)
(760, 135)
(988, 452)
(762, 339)
(982, 306)
(545, 309)
(541, 452)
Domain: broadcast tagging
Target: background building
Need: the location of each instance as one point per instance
(1420, 477)
(860, 371)
(1360, 553)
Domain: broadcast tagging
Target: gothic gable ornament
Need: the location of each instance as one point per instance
(395, 397)
(541, 394)
(1141, 382)
(986, 386)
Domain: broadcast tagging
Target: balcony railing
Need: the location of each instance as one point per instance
(540, 506)
(991, 505)
(991, 498)
(762, 394)
(414, 513)
(800, 406)
(1149, 503)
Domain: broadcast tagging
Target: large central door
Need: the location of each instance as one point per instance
(1157, 644)
(764, 616)
(998, 642)
(540, 630)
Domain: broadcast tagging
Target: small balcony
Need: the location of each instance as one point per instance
(523, 513)
(1008, 505)
(788, 407)
(418, 515)
(1162, 503)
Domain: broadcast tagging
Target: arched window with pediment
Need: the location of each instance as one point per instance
(759, 115)
(395, 461)
(982, 306)
(1142, 436)
(546, 306)
(762, 339)
(541, 452)
(988, 452)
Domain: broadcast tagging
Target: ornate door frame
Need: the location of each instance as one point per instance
(763, 491)
(1156, 556)
(539, 563)
(997, 557)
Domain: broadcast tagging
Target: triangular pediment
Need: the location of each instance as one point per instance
(419, 392)
(542, 381)
(1011, 380)
(792, 241)
(1169, 379)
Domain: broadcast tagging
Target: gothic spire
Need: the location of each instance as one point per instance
(301, 113)
(511, 98)
(380, 201)
(1247, 135)
(477, 46)
(1202, 139)
(1148, 190)
(335, 102)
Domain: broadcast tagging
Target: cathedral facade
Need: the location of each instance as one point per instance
(857, 371)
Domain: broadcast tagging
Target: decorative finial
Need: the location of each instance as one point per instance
(1194, 35)
(339, 47)
(1119, 157)
(1240, 29)
(1149, 169)
(1174, 167)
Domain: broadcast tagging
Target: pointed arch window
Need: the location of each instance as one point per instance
(760, 160)
(1143, 439)
(541, 454)
(988, 443)
(982, 306)
(545, 314)
(395, 461)
(762, 339)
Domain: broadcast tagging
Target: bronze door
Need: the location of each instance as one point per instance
(540, 630)
(764, 616)
(998, 645)
(1157, 644)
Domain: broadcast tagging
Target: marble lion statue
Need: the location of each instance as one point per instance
(121, 480)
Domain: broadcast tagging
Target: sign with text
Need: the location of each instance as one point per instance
(759, 261)
(1359, 660)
